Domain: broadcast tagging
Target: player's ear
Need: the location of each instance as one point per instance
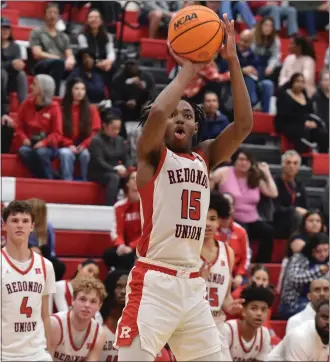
(309, 297)
(32, 227)
(196, 128)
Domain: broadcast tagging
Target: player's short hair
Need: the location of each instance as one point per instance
(321, 304)
(199, 118)
(220, 204)
(87, 284)
(17, 207)
(254, 293)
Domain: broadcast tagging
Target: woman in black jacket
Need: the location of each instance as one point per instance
(294, 116)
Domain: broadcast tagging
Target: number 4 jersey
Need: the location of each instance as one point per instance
(23, 286)
(174, 207)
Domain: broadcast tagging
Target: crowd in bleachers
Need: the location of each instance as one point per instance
(76, 102)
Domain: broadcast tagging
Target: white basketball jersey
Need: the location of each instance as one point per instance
(23, 333)
(241, 350)
(66, 349)
(174, 207)
(218, 281)
(63, 297)
(109, 353)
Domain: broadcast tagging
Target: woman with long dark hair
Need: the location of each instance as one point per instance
(96, 38)
(80, 122)
(295, 119)
(300, 60)
(246, 181)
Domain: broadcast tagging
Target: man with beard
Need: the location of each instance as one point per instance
(318, 291)
(308, 342)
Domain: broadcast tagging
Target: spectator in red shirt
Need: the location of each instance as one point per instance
(81, 121)
(126, 228)
(39, 128)
(236, 237)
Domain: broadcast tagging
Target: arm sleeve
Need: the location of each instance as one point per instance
(35, 38)
(96, 125)
(20, 133)
(295, 349)
(82, 41)
(55, 135)
(275, 57)
(117, 231)
(50, 285)
(300, 273)
(244, 262)
(262, 355)
(95, 149)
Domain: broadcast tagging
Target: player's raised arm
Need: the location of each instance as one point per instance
(222, 148)
(152, 138)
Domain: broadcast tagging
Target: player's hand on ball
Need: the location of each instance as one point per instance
(235, 307)
(228, 50)
(194, 67)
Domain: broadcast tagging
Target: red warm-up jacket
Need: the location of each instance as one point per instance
(31, 121)
(126, 228)
(95, 127)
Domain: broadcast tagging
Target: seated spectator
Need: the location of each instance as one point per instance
(318, 292)
(42, 238)
(7, 132)
(233, 9)
(300, 60)
(249, 63)
(93, 80)
(246, 181)
(62, 299)
(126, 228)
(157, 16)
(13, 77)
(39, 128)
(321, 98)
(51, 48)
(215, 121)
(100, 44)
(109, 158)
(267, 47)
(295, 119)
(291, 202)
(302, 269)
(279, 11)
(81, 121)
(312, 16)
(236, 237)
(312, 223)
(131, 88)
(309, 342)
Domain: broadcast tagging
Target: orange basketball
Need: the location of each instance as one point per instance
(196, 33)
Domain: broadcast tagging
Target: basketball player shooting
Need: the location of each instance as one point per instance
(165, 293)
(27, 280)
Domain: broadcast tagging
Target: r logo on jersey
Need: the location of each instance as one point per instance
(38, 270)
(125, 332)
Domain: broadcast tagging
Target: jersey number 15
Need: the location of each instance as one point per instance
(190, 205)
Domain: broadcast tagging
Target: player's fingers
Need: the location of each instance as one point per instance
(240, 301)
(232, 27)
(227, 23)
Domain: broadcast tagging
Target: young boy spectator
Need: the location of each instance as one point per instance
(248, 339)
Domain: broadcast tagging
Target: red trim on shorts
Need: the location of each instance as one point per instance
(43, 267)
(147, 199)
(127, 328)
(22, 272)
(67, 294)
(61, 327)
(95, 337)
(164, 270)
(232, 335)
(240, 338)
(75, 348)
